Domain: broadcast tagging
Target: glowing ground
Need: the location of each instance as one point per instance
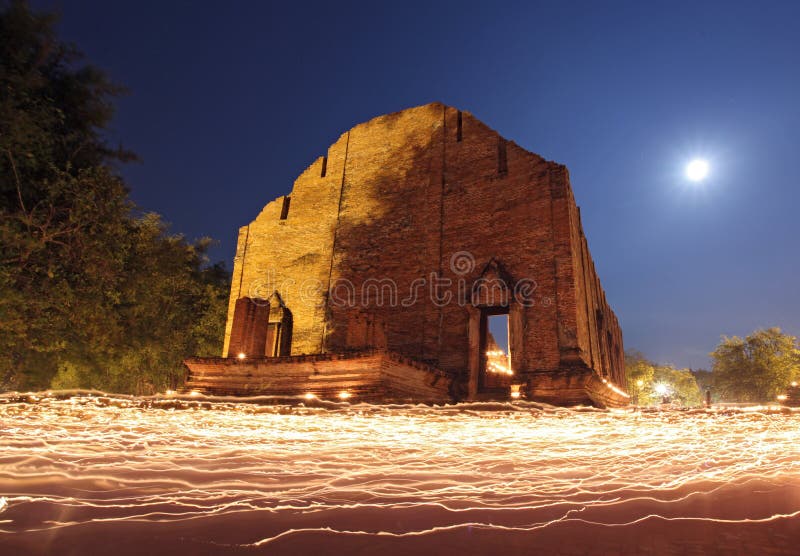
(98, 475)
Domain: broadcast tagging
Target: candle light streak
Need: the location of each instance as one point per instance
(240, 476)
(497, 363)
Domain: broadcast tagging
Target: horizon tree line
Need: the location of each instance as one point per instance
(753, 369)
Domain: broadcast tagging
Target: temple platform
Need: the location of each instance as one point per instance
(380, 376)
(365, 376)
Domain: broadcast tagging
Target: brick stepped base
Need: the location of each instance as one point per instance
(381, 376)
(575, 386)
(366, 376)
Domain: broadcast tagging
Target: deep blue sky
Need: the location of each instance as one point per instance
(230, 101)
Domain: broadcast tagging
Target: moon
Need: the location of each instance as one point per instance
(697, 169)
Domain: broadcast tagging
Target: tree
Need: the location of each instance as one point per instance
(61, 269)
(705, 381)
(646, 379)
(92, 292)
(680, 384)
(756, 368)
(639, 372)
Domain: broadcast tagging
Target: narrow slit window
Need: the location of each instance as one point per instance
(458, 128)
(502, 156)
(285, 208)
(324, 166)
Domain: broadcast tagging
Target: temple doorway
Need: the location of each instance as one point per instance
(495, 372)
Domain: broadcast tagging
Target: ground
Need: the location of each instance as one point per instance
(94, 474)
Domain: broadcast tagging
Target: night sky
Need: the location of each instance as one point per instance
(229, 102)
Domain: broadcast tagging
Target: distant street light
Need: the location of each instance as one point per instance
(663, 390)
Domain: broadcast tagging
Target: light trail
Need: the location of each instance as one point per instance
(242, 477)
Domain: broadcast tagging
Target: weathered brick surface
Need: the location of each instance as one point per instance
(396, 198)
(370, 375)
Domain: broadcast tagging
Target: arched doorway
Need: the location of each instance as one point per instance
(492, 355)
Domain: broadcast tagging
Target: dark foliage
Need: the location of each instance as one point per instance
(92, 292)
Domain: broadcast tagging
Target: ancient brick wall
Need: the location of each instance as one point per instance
(429, 190)
(290, 252)
(598, 334)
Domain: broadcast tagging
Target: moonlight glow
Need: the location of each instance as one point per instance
(697, 170)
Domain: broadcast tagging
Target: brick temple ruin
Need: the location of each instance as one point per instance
(375, 278)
